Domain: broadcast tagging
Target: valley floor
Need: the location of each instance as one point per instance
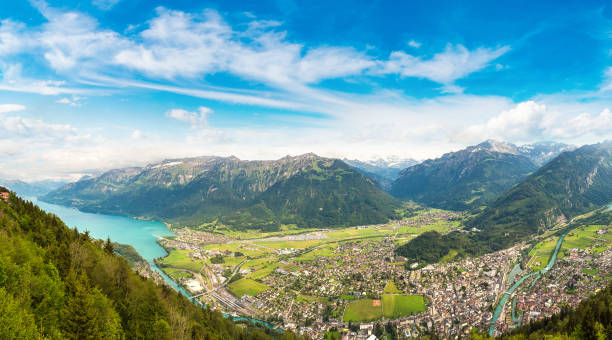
(331, 279)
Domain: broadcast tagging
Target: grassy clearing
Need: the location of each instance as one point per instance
(585, 237)
(177, 274)
(263, 272)
(390, 288)
(362, 310)
(396, 306)
(179, 259)
(247, 286)
(347, 297)
(590, 271)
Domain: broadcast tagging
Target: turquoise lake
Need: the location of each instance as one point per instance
(137, 233)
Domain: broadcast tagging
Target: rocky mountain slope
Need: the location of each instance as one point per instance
(472, 177)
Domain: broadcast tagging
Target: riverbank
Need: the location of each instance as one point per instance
(510, 291)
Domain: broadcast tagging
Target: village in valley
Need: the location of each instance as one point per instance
(349, 283)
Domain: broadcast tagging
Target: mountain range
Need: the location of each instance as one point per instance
(307, 191)
(573, 183)
(472, 177)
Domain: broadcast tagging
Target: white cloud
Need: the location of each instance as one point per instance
(12, 80)
(4, 108)
(12, 37)
(136, 134)
(414, 43)
(528, 121)
(195, 119)
(454, 63)
(105, 4)
(584, 123)
(75, 101)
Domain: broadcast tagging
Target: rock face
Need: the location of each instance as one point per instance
(306, 190)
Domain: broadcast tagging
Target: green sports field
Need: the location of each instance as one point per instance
(362, 310)
(246, 286)
(396, 306)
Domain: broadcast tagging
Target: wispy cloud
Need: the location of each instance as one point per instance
(177, 44)
(195, 119)
(454, 63)
(4, 108)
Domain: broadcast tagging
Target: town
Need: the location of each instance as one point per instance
(345, 280)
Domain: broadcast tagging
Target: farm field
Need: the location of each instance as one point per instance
(179, 259)
(362, 310)
(396, 306)
(585, 237)
(541, 253)
(247, 286)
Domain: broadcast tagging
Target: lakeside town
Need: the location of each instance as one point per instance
(309, 289)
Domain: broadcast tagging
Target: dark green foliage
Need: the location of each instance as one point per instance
(307, 190)
(572, 184)
(217, 259)
(462, 180)
(57, 283)
(592, 319)
(127, 252)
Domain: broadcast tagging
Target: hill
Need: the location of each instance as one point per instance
(31, 189)
(58, 283)
(383, 171)
(464, 179)
(573, 183)
(307, 190)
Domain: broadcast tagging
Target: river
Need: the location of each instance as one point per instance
(140, 234)
(510, 290)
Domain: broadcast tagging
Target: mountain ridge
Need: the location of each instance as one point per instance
(233, 191)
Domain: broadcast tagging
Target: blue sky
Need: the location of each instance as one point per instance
(99, 84)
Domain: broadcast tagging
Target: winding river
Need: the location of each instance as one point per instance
(140, 234)
(512, 288)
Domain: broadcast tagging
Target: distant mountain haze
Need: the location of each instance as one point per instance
(383, 171)
(37, 188)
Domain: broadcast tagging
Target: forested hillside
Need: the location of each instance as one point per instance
(57, 283)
